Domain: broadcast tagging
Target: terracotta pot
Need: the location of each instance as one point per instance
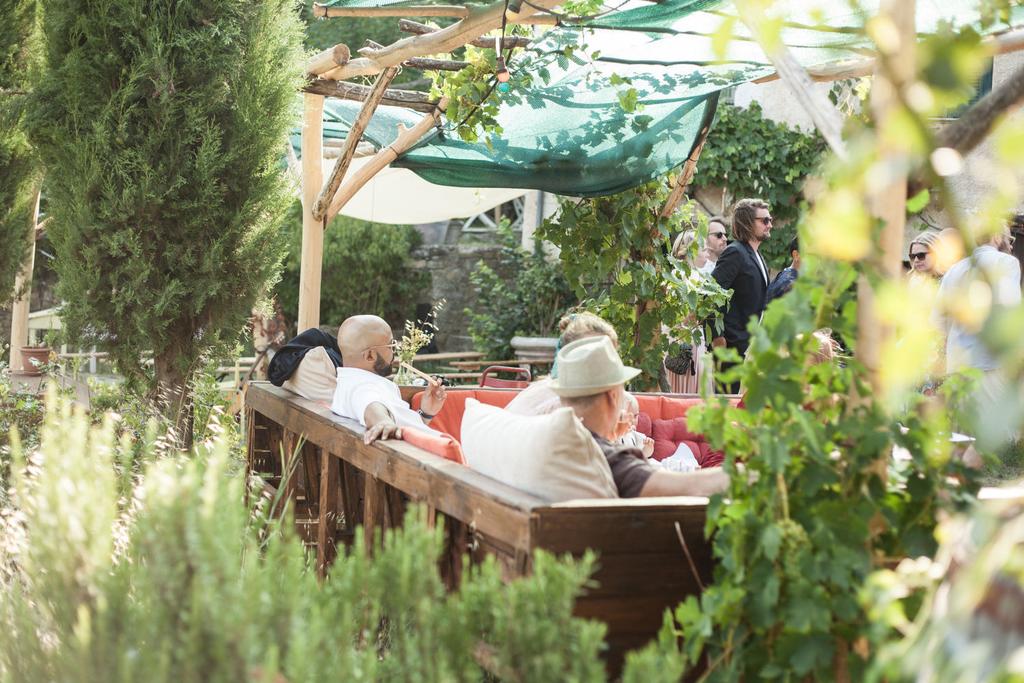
(32, 357)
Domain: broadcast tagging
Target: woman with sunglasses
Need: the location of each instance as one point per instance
(922, 256)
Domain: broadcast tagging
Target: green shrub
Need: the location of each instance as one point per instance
(161, 127)
(528, 302)
(367, 268)
(169, 576)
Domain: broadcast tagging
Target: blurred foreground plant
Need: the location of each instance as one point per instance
(178, 580)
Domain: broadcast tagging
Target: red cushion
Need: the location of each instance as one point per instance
(450, 418)
(643, 424)
(438, 444)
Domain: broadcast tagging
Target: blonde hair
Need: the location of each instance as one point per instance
(926, 239)
(579, 325)
(682, 243)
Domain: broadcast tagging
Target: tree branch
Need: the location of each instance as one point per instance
(355, 133)
(410, 99)
(479, 20)
(508, 42)
(968, 131)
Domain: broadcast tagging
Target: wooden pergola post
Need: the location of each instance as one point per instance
(23, 295)
(889, 203)
(312, 229)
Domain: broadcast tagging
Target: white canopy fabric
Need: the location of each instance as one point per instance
(401, 197)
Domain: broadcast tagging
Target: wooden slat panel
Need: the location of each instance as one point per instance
(640, 574)
(373, 509)
(328, 506)
(351, 495)
(496, 509)
(615, 527)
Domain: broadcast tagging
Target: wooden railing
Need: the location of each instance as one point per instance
(339, 483)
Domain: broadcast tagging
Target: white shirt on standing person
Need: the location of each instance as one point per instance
(964, 348)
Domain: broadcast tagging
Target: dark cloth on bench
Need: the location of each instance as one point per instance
(287, 359)
(630, 468)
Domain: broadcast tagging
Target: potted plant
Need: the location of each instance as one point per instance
(36, 355)
(415, 338)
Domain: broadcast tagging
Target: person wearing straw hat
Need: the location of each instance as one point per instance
(363, 391)
(591, 379)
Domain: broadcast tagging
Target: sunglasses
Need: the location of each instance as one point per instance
(767, 220)
(919, 256)
(718, 234)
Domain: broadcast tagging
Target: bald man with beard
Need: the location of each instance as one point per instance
(363, 391)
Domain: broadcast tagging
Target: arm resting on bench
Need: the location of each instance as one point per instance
(704, 482)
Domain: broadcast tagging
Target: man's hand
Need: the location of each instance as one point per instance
(382, 430)
(648, 447)
(433, 399)
(718, 342)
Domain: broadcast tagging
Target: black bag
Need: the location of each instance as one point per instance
(682, 364)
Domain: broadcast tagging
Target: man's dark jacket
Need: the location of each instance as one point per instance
(737, 269)
(287, 359)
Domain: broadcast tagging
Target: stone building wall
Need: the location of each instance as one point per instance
(449, 266)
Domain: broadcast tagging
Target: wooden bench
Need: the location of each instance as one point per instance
(340, 483)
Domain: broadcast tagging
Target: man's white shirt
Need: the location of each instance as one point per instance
(357, 389)
(964, 348)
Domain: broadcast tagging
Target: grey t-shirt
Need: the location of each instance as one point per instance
(630, 470)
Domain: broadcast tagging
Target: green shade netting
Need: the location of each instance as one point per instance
(567, 133)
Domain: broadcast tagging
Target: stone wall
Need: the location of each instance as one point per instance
(449, 266)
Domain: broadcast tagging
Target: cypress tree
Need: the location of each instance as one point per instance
(19, 172)
(161, 124)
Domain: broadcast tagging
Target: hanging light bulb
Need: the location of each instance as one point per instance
(501, 71)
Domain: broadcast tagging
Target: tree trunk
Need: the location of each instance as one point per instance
(174, 397)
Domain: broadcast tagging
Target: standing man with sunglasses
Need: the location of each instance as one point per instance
(715, 245)
(365, 394)
(743, 270)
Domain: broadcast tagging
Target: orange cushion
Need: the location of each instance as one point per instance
(450, 418)
(438, 444)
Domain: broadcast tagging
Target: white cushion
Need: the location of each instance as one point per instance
(315, 378)
(551, 456)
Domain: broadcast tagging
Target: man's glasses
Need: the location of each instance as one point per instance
(393, 345)
(767, 220)
(919, 256)
(718, 234)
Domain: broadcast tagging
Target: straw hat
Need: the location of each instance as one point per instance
(589, 366)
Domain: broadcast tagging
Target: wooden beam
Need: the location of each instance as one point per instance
(410, 99)
(889, 201)
(827, 119)
(480, 20)
(422, 63)
(355, 134)
(690, 165)
(533, 19)
(329, 59)
(311, 264)
(22, 301)
(406, 139)
(999, 43)
(966, 132)
(508, 42)
(363, 149)
(392, 11)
